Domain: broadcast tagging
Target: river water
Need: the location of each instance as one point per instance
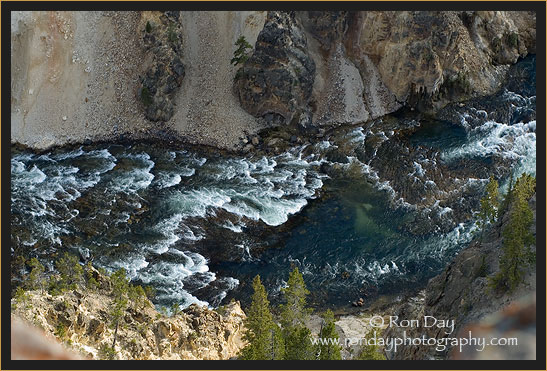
(198, 226)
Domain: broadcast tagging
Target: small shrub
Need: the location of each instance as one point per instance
(241, 54)
(106, 352)
(146, 97)
(20, 297)
(60, 331)
(171, 34)
(512, 39)
(148, 27)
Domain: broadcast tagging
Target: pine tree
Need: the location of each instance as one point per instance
(262, 334)
(36, 278)
(330, 350)
(120, 290)
(294, 311)
(517, 254)
(71, 272)
(241, 53)
(293, 316)
(369, 350)
(298, 345)
(489, 205)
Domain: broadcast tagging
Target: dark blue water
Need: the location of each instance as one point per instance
(198, 226)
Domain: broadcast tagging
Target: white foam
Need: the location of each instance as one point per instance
(166, 180)
(515, 141)
(234, 228)
(136, 178)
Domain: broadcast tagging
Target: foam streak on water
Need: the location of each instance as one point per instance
(155, 197)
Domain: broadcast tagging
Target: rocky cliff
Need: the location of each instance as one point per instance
(80, 320)
(461, 293)
(80, 76)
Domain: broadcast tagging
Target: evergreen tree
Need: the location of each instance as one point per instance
(293, 316)
(241, 54)
(120, 290)
(261, 332)
(369, 350)
(489, 205)
(517, 254)
(298, 345)
(36, 279)
(294, 312)
(71, 272)
(331, 350)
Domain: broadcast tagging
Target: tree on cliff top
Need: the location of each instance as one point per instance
(261, 332)
(517, 253)
(489, 205)
(330, 350)
(120, 302)
(370, 349)
(294, 314)
(294, 311)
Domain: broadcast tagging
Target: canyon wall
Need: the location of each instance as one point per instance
(80, 76)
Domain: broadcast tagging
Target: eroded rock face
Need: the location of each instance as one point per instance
(163, 77)
(276, 81)
(368, 64)
(429, 58)
(461, 293)
(81, 323)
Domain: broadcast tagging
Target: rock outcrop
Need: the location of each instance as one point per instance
(368, 64)
(80, 76)
(80, 320)
(461, 293)
(164, 75)
(276, 81)
(427, 59)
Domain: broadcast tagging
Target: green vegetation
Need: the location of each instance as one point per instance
(291, 339)
(489, 205)
(171, 34)
(146, 97)
(175, 309)
(242, 53)
(106, 352)
(328, 331)
(293, 315)
(36, 279)
(512, 39)
(370, 350)
(20, 297)
(517, 253)
(262, 333)
(294, 312)
(72, 276)
(120, 301)
(60, 331)
(70, 271)
(148, 27)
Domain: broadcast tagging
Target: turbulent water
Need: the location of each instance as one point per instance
(198, 226)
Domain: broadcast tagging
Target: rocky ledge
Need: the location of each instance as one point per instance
(80, 320)
(461, 293)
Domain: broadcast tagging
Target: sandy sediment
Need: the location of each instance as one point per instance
(76, 77)
(207, 109)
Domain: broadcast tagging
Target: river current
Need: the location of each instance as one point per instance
(198, 225)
